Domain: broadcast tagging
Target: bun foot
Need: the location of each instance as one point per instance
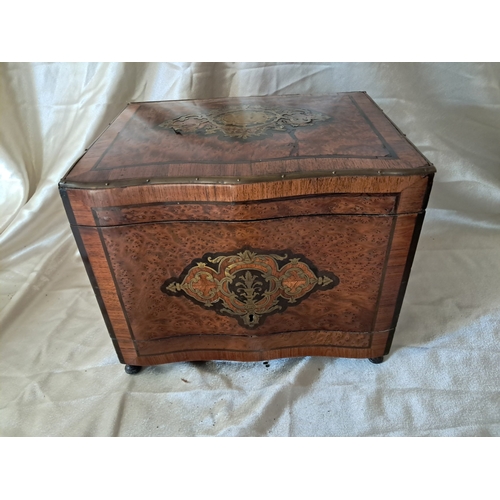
(132, 369)
(376, 361)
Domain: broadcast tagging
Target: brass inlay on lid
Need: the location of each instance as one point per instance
(243, 122)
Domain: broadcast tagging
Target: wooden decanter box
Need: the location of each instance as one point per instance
(249, 228)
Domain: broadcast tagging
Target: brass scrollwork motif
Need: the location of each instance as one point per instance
(249, 285)
(243, 122)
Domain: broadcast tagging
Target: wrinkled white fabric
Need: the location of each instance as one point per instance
(59, 375)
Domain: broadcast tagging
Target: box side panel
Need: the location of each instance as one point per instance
(397, 257)
(400, 257)
(120, 332)
(91, 251)
(405, 277)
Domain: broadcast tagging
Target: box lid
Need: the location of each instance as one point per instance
(250, 139)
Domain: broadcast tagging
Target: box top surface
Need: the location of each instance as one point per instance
(249, 139)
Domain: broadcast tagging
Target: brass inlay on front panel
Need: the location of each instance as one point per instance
(249, 285)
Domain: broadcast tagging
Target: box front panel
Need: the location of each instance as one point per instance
(250, 279)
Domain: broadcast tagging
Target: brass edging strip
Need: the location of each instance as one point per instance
(234, 180)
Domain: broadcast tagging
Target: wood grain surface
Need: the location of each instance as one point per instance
(369, 253)
(131, 263)
(348, 193)
(249, 210)
(86, 204)
(356, 136)
(143, 257)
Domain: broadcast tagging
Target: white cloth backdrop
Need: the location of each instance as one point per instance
(59, 375)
